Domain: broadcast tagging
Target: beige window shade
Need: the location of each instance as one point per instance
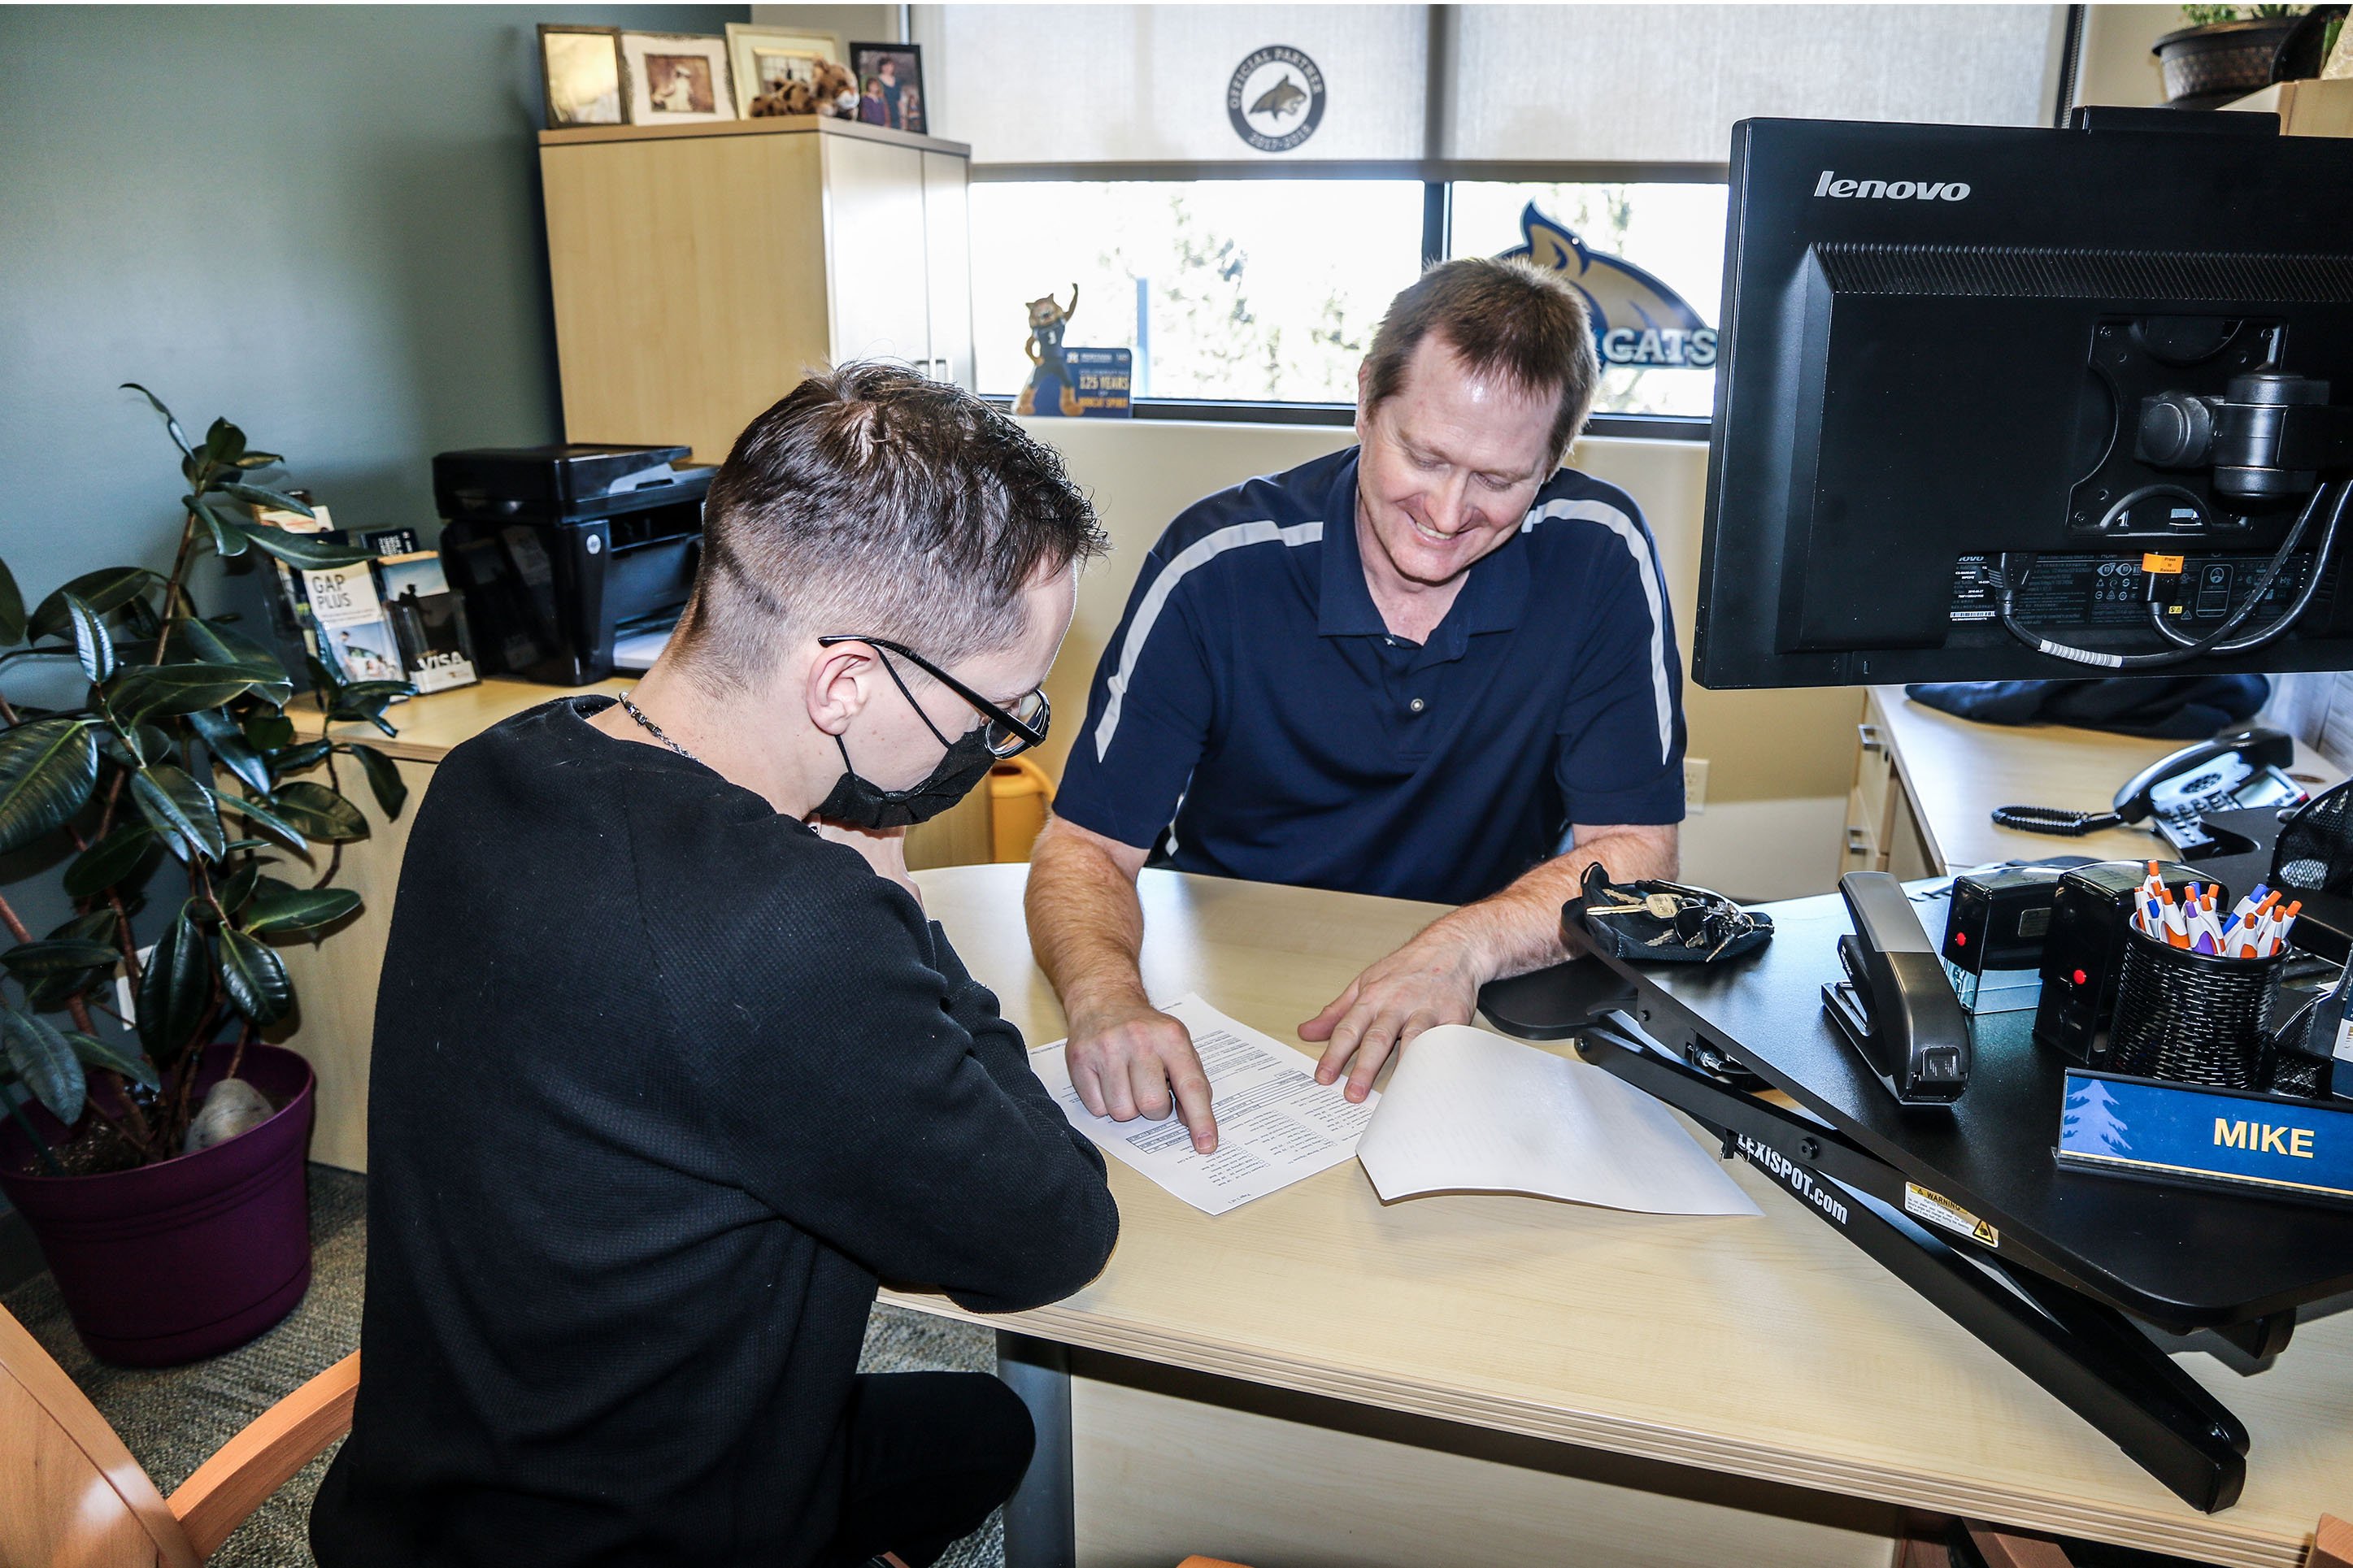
(1657, 83)
(1063, 85)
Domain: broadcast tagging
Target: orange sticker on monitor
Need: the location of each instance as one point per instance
(2158, 566)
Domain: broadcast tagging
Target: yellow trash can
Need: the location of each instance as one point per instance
(1018, 793)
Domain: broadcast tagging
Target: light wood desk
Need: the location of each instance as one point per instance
(1759, 1348)
(1948, 775)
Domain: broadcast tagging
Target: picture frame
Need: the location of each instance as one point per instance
(677, 79)
(581, 73)
(897, 71)
(762, 58)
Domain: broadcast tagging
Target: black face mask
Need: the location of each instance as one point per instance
(862, 802)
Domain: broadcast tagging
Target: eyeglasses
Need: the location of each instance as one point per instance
(1009, 733)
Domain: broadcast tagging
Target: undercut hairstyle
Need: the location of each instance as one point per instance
(1500, 317)
(874, 502)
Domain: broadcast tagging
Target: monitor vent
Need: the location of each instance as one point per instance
(2018, 272)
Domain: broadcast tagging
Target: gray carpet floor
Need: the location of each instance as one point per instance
(173, 1419)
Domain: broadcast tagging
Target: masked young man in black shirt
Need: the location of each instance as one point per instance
(670, 1068)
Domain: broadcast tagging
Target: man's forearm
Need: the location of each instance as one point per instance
(1517, 930)
(1086, 925)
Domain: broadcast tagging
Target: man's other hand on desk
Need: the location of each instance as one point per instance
(1435, 978)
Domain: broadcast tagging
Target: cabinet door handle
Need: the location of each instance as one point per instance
(1868, 734)
(1855, 842)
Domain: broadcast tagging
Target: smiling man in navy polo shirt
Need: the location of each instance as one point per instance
(1434, 666)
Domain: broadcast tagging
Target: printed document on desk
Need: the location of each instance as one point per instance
(1470, 1112)
(1276, 1124)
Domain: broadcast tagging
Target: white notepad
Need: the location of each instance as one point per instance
(1472, 1112)
(1465, 1110)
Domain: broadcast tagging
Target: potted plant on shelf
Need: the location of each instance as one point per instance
(159, 1157)
(2229, 51)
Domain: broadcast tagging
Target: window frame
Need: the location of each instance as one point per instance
(1437, 179)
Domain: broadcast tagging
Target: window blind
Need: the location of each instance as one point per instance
(1062, 85)
(1638, 83)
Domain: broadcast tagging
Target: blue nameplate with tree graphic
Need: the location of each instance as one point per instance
(2178, 1132)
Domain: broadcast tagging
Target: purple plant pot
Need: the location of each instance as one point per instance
(174, 1262)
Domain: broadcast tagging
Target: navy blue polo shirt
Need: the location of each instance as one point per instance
(1253, 703)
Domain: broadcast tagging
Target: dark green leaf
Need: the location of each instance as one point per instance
(320, 813)
(276, 501)
(294, 759)
(229, 748)
(289, 908)
(105, 591)
(224, 443)
(383, 777)
(179, 436)
(254, 976)
(177, 983)
(46, 1062)
(229, 531)
(11, 608)
(109, 860)
(163, 688)
(135, 747)
(238, 885)
(259, 460)
(306, 550)
(321, 678)
(180, 806)
(57, 957)
(268, 732)
(47, 769)
(92, 645)
(258, 814)
(95, 1052)
(51, 991)
(218, 642)
(237, 844)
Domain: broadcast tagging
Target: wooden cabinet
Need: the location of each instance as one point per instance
(700, 271)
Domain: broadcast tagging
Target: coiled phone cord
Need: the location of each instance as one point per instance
(2052, 820)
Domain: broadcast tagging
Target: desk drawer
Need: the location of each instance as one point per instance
(1864, 846)
(1875, 776)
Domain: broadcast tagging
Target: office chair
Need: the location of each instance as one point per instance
(71, 1493)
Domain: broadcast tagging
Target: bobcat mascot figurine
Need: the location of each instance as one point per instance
(831, 89)
(1050, 373)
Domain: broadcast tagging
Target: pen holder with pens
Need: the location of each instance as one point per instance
(2193, 1017)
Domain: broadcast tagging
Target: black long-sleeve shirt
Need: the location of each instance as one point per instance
(662, 1083)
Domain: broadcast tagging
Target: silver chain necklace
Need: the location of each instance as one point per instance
(634, 711)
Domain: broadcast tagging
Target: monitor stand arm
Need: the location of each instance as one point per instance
(2091, 1356)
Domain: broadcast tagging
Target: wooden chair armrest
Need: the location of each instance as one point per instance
(237, 1480)
(2332, 1544)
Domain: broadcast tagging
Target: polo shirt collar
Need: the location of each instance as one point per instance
(1492, 600)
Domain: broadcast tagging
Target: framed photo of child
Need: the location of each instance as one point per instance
(890, 86)
(677, 79)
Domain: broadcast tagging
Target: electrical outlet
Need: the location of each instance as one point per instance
(1694, 785)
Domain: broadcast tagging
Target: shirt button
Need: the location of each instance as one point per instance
(1416, 706)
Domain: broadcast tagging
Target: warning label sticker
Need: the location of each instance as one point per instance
(1944, 1214)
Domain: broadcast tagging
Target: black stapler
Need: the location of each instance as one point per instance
(1896, 1007)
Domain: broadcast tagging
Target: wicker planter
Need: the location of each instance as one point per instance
(2209, 66)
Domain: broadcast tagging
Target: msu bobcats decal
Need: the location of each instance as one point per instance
(1638, 320)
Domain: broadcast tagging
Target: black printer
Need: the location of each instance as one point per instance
(574, 561)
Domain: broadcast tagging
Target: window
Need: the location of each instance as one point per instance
(1674, 232)
(1227, 290)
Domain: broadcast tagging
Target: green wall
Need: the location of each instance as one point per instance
(322, 221)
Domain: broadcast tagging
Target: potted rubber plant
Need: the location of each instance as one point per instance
(157, 1150)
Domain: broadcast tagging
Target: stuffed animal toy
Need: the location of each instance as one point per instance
(831, 90)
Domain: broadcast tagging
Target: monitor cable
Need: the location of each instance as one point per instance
(2011, 568)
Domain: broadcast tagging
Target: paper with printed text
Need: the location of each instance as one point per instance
(1276, 1124)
